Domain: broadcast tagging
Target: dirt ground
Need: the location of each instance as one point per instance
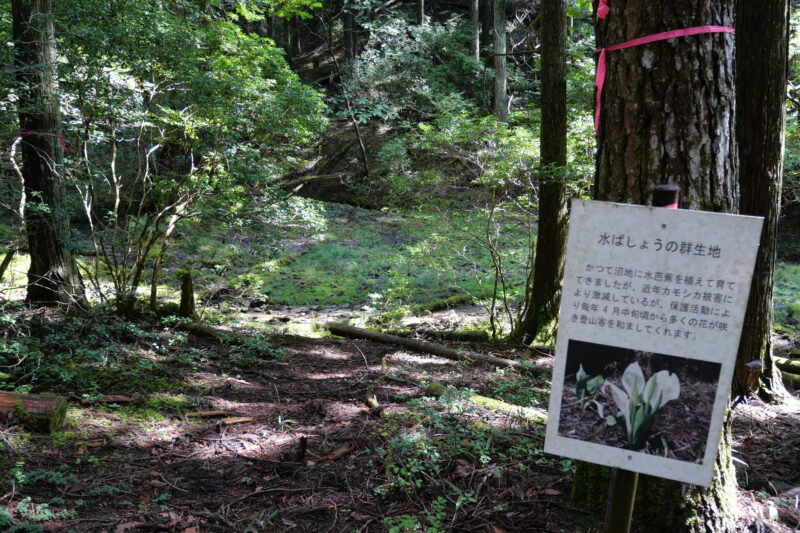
(310, 459)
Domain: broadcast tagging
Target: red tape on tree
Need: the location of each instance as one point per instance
(46, 134)
(600, 76)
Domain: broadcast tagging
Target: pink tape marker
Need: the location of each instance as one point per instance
(603, 9)
(600, 75)
(46, 134)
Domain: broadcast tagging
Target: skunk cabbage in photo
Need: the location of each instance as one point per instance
(640, 400)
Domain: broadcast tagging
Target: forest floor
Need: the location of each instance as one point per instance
(316, 433)
(309, 454)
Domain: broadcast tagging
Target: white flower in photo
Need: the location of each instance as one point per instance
(640, 400)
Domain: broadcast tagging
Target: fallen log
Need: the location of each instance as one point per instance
(44, 413)
(788, 365)
(236, 420)
(208, 414)
(791, 379)
(537, 416)
(346, 330)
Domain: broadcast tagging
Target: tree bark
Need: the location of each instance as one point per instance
(500, 107)
(543, 291)
(668, 110)
(53, 276)
(668, 117)
(762, 47)
(420, 11)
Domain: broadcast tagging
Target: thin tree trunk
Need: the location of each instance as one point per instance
(420, 11)
(500, 107)
(475, 23)
(53, 276)
(543, 292)
(668, 117)
(186, 307)
(290, 29)
(762, 46)
(9, 255)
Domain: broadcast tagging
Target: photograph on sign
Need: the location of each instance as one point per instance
(642, 401)
(652, 308)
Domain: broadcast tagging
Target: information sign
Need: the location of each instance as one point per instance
(651, 315)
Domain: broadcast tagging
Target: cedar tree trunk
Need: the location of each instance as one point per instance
(543, 292)
(762, 47)
(53, 275)
(500, 107)
(668, 117)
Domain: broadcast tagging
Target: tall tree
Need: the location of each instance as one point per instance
(762, 48)
(53, 276)
(668, 117)
(500, 107)
(543, 291)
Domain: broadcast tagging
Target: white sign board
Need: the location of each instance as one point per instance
(651, 315)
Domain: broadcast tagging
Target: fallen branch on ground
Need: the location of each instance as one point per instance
(208, 414)
(346, 330)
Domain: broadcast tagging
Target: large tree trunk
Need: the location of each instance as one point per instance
(762, 48)
(53, 276)
(543, 292)
(500, 107)
(668, 107)
(668, 117)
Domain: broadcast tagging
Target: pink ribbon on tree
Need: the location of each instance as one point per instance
(603, 9)
(600, 75)
(46, 134)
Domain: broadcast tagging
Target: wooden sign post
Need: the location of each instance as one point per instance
(622, 485)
